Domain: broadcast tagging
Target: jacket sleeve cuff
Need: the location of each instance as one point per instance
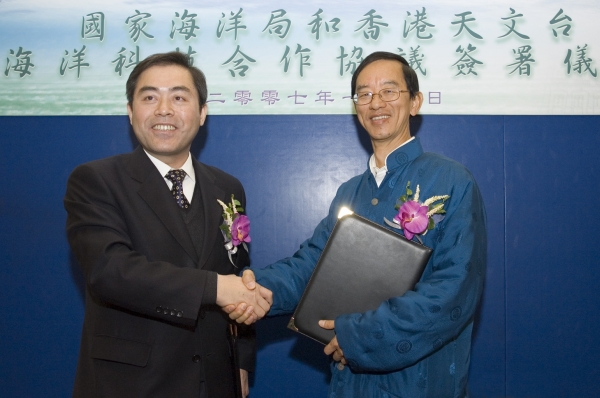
(209, 295)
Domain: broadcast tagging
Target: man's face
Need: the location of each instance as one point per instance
(165, 113)
(386, 122)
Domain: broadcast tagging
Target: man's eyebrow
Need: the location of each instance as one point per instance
(387, 82)
(152, 88)
(180, 88)
(147, 88)
(395, 83)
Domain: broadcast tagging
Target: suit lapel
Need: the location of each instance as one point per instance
(210, 192)
(154, 191)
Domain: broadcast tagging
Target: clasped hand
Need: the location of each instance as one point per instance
(243, 298)
(245, 312)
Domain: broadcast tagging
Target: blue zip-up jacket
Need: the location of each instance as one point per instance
(416, 345)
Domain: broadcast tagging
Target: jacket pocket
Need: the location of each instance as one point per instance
(116, 349)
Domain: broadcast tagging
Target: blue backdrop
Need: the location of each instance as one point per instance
(537, 326)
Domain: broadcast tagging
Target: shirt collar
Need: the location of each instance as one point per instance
(393, 162)
(164, 168)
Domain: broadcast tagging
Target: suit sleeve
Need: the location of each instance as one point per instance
(102, 233)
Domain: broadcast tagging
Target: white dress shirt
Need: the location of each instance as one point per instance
(189, 182)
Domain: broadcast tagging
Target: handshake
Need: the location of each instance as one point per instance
(246, 302)
(242, 298)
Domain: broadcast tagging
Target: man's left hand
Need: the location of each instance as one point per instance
(333, 347)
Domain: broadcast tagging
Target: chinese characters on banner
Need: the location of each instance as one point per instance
(262, 58)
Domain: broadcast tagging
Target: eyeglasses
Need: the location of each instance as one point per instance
(386, 95)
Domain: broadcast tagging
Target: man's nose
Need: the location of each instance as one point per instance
(164, 108)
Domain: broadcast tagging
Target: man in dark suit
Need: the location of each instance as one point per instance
(144, 227)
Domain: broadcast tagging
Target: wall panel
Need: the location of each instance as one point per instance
(538, 176)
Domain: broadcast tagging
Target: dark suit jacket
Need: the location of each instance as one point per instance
(147, 331)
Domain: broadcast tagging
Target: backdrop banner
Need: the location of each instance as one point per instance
(67, 57)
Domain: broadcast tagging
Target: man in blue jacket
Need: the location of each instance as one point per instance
(416, 345)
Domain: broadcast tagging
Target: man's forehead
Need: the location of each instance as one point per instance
(165, 76)
(166, 72)
(381, 72)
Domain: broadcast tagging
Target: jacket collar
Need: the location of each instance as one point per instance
(403, 155)
(154, 191)
(210, 192)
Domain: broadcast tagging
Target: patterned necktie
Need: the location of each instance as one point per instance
(177, 176)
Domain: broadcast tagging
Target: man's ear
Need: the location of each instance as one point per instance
(203, 113)
(416, 103)
(130, 113)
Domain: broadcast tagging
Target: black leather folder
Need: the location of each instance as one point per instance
(363, 264)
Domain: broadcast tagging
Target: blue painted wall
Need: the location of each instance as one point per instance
(538, 322)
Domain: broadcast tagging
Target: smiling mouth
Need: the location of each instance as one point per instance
(375, 118)
(163, 127)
